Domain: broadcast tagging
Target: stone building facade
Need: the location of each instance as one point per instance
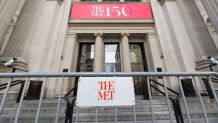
(44, 38)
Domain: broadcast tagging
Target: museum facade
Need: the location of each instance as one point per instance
(107, 36)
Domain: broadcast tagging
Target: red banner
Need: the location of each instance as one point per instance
(111, 11)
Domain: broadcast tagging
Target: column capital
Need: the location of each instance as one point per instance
(150, 35)
(98, 34)
(71, 35)
(125, 34)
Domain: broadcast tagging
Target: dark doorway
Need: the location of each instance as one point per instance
(138, 64)
(188, 87)
(85, 60)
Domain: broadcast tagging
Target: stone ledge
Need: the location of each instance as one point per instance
(19, 64)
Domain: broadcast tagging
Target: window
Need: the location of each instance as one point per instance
(86, 58)
(111, 58)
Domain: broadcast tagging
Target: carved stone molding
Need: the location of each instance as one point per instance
(71, 35)
(150, 35)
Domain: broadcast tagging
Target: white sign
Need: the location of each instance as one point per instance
(105, 91)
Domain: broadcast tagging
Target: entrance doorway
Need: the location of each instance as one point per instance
(138, 64)
(112, 58)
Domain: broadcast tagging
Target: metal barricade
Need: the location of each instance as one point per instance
(165, 75)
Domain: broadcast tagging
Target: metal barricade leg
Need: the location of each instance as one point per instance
(184, 100)
(115, 114)
(201, 101)
(77, 115)
(71, 110)
(150, 99)
(5, 95)
(134, 114)
(59, 99)
(21, 100)
(96, 114)
(40, 101)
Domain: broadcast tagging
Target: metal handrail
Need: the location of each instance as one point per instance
(5, 84)
(175, 101)
(13, 83)
(208, 87)
(173, 91)
(70, 106)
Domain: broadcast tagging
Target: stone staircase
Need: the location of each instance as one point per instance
(106, 114)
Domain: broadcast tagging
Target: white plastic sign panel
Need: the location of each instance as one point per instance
(105, 91)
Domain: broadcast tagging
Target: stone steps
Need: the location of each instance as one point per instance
(106, 114)
(139, 108)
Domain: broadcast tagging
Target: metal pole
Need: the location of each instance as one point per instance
(134, 114)
(20, 92)
(21, 100)
(40, 101)
(5, 95)
(77, 115)
(175, 110)
(104, 74)
(213, 90)
(168, 102)
(201, 102)
(150, 100)
(184, 100)
(71, 111)
(96, 114)
(115, 114)
(59, 100)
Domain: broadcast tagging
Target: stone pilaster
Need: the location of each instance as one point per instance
(69, 51)
(153, 51)
(68, 59)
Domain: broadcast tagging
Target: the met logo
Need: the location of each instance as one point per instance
(105, 91)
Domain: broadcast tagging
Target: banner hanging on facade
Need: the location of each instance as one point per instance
(111, 11)
(105, 91)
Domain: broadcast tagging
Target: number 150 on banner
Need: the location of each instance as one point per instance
(111, 11)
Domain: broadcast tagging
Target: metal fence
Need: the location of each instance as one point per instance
(194, 76)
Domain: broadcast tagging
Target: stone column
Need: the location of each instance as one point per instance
(98, 55)
(125, 52)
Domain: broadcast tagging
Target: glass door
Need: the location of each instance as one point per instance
(111, 58)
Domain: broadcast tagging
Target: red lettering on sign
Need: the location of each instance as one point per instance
(112, 11)
(106, 90)
(106, 85)
(106, 95)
